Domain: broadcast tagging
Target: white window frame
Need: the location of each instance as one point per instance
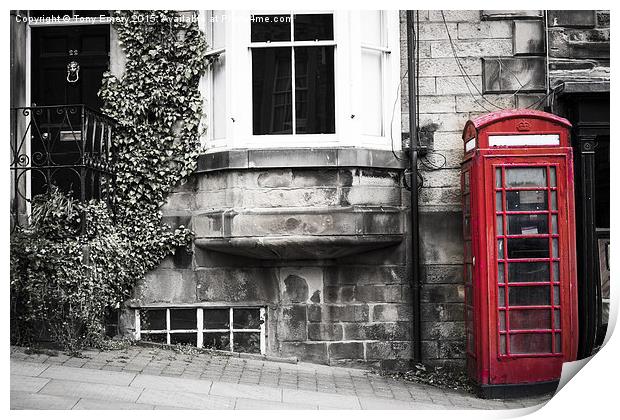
(347, 86)
(199, 330)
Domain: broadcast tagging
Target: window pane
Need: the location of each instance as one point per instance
(498, 201)
(246, 342)
(530, 343)
(528, 248)
(500, 273)
(271, 91)
(183, 319)
(558, 343)
(526, 177)
(527, 224)
(498, 178)
(553, 180)
(153, 319)
(183, 338)
(500, 225)
(502, 344)
(526, 200)
(371, 24)
(154, 338)
(216, 341)
(501, 297)
(557, 320)
(271, 28)
(528, 272)
(372, 80)
(218, 97)
(529, 296)
(216, 319)
(246, 318)
(314, 90)
(314, 27)
(530, 319)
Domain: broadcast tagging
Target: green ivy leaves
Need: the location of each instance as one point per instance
(65, 282)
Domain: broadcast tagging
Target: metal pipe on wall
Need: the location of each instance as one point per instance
(413, 207)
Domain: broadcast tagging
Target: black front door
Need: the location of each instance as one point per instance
(67, 69)
(53, 49)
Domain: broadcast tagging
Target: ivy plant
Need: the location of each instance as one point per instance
(63, 283)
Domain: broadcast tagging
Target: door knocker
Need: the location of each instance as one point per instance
(73, 72)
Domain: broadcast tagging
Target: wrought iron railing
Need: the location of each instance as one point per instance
(66, 146)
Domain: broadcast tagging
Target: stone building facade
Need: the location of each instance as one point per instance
(303, 247)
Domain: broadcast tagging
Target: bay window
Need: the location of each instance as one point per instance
(302, 79)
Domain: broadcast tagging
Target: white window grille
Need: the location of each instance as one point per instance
(238, 329)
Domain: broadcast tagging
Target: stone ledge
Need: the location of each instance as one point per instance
(300, 157)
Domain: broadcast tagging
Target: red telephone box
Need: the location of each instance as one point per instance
(519, 251)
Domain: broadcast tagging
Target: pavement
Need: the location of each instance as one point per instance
(143, 378)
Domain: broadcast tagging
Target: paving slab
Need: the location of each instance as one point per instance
(27, 368)
(27, 383)
(65, 388)
(254, 392)
(186, 400)
(323, 400)
(90, 404)
(30, 401)
(88, 375)
(200, 386)
(248, 404)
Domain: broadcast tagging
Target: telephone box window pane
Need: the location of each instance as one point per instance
(501, 297)
(246, 318)
(554, 200)
(530, 319)
(526, 177)
(502, 344)
(557, 321)
(527, 224)
(154, 338)
(526, 272)
(558, 343)
(314, 90)
(530, 343)
(498, 178)
(184, 338)
(466, 182)
(556, 271)
(270, 28)
(552, 175)
(246, 342)
(153, 319)
(271, 91)
(502, 321)
(216, 319)
(529, 295)
(500, 248)
(500, 273)
(313, 27)
(554, 247)
(498, 201)
(183, 319)
(526, 200)
(528, 248)
(556, 295)
(500, 225)
(554, 224)
(216, 341)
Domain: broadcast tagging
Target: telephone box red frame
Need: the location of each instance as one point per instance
(508, 360)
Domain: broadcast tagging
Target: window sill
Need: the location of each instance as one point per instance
(301, 157)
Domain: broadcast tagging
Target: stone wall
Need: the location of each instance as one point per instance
(350, 310)
(502, 58)
(501, 64)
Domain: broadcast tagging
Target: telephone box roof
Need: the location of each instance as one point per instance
(493, 117)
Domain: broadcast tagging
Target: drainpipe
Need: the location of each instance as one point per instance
(413, 205)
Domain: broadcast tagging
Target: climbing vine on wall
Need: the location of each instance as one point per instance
(66, 282)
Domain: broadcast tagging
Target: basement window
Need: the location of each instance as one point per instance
(240, 329)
